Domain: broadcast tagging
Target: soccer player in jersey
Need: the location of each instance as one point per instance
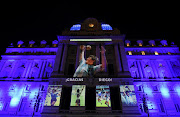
(107, 97)
(100, 95)
(78, 94)
(127, 93)
(86, 67)
(54, 95)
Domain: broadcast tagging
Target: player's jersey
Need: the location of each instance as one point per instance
(85, 70)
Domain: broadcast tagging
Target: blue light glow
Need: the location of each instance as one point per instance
(103, 26)
(14, 101)
(178, 90)
(148, 91)
(11, 60)
(76, 27)
(165, 92)
(106, 27)
(1, 106)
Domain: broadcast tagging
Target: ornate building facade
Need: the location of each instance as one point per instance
(90, 70)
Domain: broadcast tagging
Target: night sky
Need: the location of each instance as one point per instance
(43, 21)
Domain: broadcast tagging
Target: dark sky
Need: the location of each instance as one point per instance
(43, 21)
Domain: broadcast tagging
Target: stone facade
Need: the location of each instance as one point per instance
(33, 72)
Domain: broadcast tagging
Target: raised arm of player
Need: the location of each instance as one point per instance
(83, 48)
(82, 90)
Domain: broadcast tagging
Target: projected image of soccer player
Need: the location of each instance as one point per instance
(103, 96)
(53, 96)
(78, 95)
(86, 67)
(128, 95)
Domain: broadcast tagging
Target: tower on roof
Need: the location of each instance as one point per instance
(91, 26)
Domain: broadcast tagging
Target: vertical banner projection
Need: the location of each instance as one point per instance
(53, 95)
(128, 96)
(103, 96)
(78, 95)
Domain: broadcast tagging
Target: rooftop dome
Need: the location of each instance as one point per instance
(103, 26)
(91, 26)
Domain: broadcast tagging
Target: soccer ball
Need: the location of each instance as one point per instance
(88, 47)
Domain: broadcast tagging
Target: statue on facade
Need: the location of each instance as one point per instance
(20, 71)
(49, 70)
(148, 70)
(176, 68)
(35, 70)
(162, 71)
(133, 70)
(7, 70)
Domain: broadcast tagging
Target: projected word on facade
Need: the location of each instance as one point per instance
(74, 79)
(105, 79)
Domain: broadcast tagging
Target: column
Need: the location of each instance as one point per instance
(153, 72)
(155, 69)
(139, 69)
(142, 68)
(43, 68)
(117, 57)
(77, 56)
(3, 68)
(123, 57)
(98, 54)
(58, 58)
(63, 62)
(30, 63)
(170, 68)
(14, 67)
(105, 70)
(2, 62)
(40, 68)
(25, 70)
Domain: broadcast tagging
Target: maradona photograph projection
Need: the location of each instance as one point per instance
(128, 96)
(103, 96)
(78, 95)
(53, 95)
(88, 67)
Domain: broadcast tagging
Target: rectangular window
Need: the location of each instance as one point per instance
(54, 45)
(140, 88)
(42, 88)
(155, 88)
(156, 53)
(130, 52)
(27, 88)
(140, 44)
(19, 45)
(142, 52)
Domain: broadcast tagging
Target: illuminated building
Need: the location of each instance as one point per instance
(128, 78)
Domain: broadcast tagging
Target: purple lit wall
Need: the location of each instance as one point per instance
(20, 98)
(24, 74)
(156, 77)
